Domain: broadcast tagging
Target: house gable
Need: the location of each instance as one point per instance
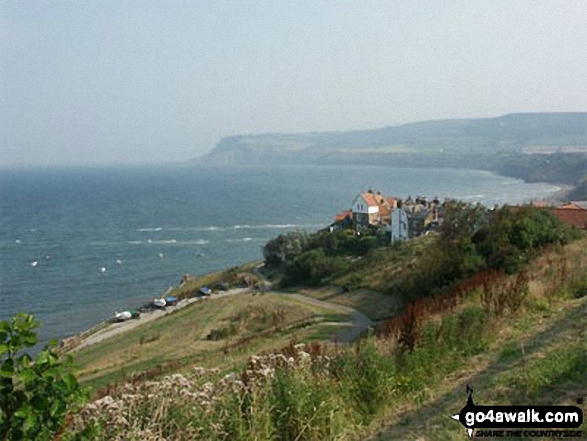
(365, 203)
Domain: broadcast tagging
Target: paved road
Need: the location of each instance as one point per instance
(118, 328)
(360, 322)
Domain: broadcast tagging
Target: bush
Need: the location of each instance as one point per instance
(510, 239)
(304, 407)
(284, 247)
(36, 396)
(365, 377)
(312, 267)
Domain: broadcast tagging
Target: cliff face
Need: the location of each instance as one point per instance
(513, 133)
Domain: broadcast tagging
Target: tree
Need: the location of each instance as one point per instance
(284, 247)
(36, 395)
(462, 220)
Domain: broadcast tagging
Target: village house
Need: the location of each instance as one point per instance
(423, 216)
(374, 212)
(366, 209)
(573, 214)
(399, 225)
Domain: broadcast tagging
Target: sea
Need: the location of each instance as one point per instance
(79, 244)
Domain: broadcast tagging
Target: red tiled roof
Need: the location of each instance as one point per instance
(573, 216)
(568, 216)
(371, 199)
(384, 211)
(540, 204)
(343, 215)
(570, 206)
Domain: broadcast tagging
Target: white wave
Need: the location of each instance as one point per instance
(280, 226)
(210, 228)
(180, 242)
(135, 242)
(277, 226)
(244, 239)
(474, 196)
(197, 242)
(150, 229)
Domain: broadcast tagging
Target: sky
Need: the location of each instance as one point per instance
(115, 81)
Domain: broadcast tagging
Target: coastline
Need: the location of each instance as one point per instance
(105, 330)
(559, 195)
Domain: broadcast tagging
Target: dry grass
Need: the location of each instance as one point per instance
(181, 337)
(534, 355)
(375, 305)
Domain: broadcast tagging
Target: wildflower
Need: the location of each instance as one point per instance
(199, 371)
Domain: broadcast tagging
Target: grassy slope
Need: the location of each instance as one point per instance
(367, 287)
(181, 337)
(541, 359)
(538, 356)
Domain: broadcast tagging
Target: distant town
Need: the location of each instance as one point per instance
(373, 212)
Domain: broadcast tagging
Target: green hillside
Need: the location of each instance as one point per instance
(509, 133)
(499, 304)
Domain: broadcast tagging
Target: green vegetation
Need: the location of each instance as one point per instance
(315, 392)
(284, 247)
(497, 144)
(255, 318)
(579, 193)
(37, 396)
(216, 331)
(494, 291)
(568, 168)
(319, 258)
(471, 239)
(507, 133)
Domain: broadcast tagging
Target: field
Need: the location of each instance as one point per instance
(539, 359)
(214, 332)
(529, 353)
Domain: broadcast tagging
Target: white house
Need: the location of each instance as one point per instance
(399, 225)
(366, 208)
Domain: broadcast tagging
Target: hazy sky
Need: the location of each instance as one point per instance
(132, 81)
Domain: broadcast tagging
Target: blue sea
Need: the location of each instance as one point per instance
(161, 222)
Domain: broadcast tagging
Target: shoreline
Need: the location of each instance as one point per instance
(560, 195)
(106, 330)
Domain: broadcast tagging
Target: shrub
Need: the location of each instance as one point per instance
(36, 396)
(499, 294)
(222, 333)
(312, 267)
(410, 325)
(509, 240)
(284, 247)
(304, 407)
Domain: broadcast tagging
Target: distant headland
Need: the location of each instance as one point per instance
(536, 147)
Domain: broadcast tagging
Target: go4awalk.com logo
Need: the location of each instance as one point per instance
(520, 421)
